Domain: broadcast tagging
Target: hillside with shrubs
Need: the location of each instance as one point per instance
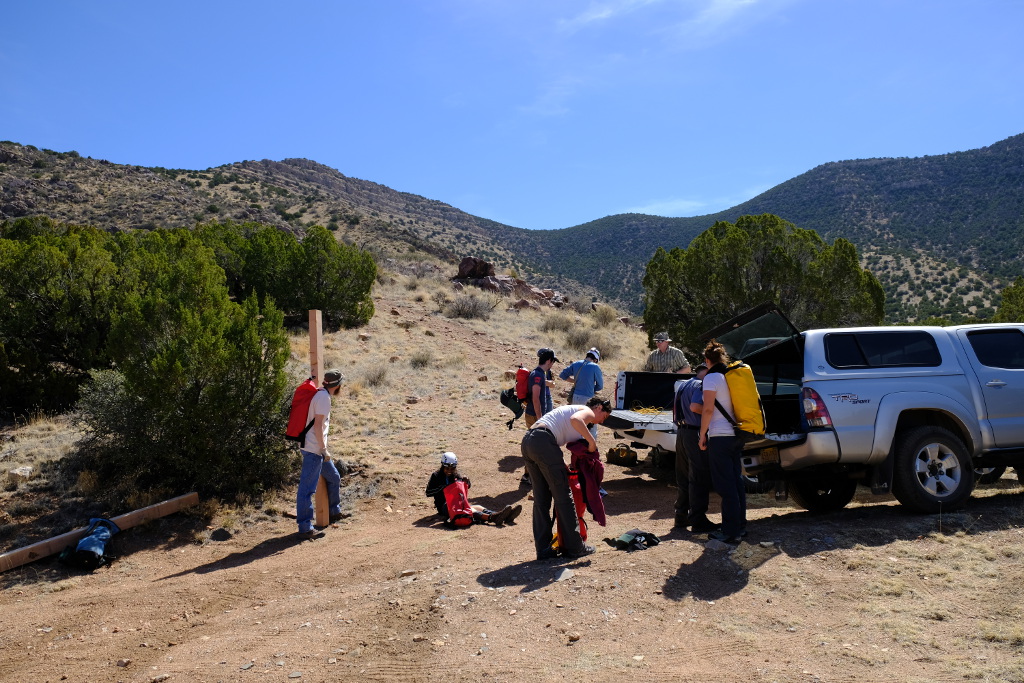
(942, 233)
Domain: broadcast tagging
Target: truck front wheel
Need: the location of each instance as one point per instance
(823, 494)
(932, 470)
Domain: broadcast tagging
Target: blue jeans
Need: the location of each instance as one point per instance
(313, 467)
(579, 399)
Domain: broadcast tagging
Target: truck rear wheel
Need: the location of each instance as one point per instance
(823, 494)
(932, 470)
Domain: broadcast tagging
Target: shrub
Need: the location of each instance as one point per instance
(421, 359)
(580, 339)
(559, 321)
(468, 307)
(441, 299)
(200, 385)
(376, 375)
(605, 315)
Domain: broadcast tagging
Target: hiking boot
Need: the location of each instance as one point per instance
(728, 540)
(547, 554)
(306, 535)
(338, 516)
(498, 518)
(703, 526)
(583, 552)
(525, 480)
(513, 513)
(680, 523)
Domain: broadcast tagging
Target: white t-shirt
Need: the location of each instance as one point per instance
(559, 421)
(320, 405)
(720, 425)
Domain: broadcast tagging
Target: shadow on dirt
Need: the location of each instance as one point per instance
(711, 576)
(532, 575)
(798, 533)
(511, 463)
(269, 547)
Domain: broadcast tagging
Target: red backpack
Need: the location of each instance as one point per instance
(460, 512)
(297, 427)
(522, 376)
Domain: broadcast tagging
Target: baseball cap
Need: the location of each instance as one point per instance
(545, 354)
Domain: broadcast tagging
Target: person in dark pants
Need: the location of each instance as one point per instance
(718, 438)
(693, 477)
(545, 463)
(538, 398)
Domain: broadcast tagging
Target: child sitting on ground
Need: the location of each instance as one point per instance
(447, 474)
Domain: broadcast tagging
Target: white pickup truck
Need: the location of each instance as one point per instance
(915, 411)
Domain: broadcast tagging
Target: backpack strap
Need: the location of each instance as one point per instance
(726, 414)
(722, 368)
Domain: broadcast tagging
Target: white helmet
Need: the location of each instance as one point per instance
(449, 458)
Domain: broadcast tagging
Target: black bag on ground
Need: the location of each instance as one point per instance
(634, 539)
(91, 550)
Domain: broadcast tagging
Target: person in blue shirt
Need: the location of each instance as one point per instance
(587, 374)
(538, 396)
(693, 471)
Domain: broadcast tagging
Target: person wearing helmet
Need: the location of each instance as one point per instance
(538, 392)
(449, 473)
(587, 376)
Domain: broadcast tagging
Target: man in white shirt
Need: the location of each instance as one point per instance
(316, 459)
(542, 450)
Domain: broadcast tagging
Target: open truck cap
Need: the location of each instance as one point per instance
(758, 328)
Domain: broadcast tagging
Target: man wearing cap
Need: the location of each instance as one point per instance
(542, 450)
(316, 459)
(587, 374)
(538, 393)
(665, 358)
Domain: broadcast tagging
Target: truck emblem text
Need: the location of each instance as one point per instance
(849, 398)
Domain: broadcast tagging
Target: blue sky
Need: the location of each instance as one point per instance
(535, 113)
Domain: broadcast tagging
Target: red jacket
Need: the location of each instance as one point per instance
(591, 471)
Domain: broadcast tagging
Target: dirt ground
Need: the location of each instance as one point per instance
(871, 593)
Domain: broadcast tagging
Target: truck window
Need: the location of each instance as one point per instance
(998, 348)
(910, 349)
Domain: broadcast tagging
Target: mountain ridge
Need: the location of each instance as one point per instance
(960, 211)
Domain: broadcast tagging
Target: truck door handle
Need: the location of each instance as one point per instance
(995, 383)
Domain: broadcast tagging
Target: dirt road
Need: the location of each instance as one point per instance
(868, 594)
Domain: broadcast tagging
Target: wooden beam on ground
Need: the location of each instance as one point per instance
(321, 504)
(51, 546)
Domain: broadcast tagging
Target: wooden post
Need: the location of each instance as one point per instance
(51, 546)
(322, 504)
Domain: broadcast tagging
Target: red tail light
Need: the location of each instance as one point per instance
(815, 410)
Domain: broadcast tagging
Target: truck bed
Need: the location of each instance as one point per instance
(630, 419)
